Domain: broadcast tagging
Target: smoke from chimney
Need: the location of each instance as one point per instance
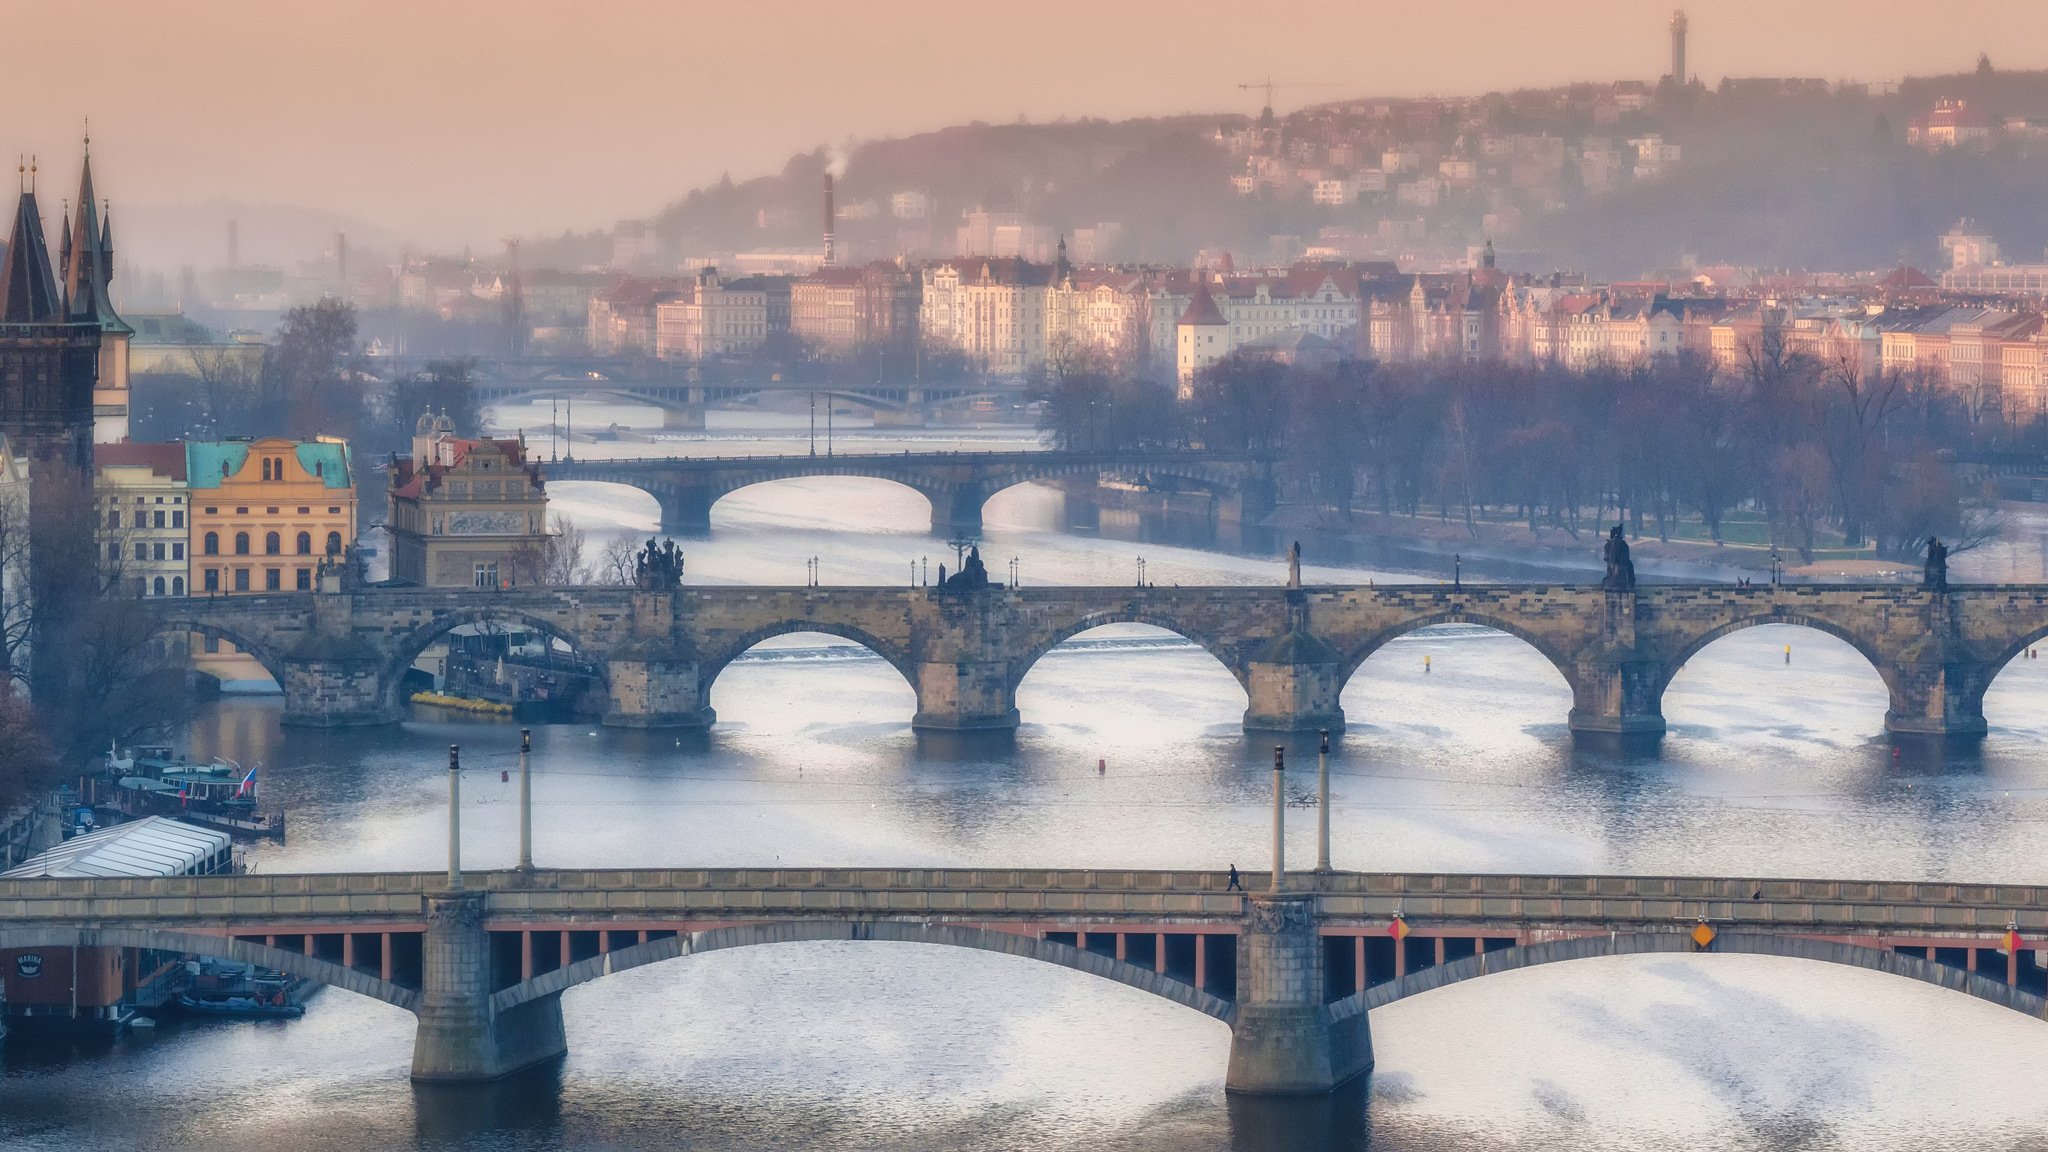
(829, 253)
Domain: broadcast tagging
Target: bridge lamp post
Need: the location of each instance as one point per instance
(1322, 803)
(1279, 817)
(454, 817)
(525, 801)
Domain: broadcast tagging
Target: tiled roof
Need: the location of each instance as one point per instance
(162, 459)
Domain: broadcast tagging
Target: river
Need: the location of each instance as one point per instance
(1456, 758)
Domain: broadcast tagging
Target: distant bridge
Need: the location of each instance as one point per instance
(956, 484)
(683, 396)
(1292, 973)
(341, 657)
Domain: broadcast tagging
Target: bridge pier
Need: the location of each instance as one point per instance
(1285, 1040)
(655, 691)
(1294, 686)
(685, 419)
(460, 1036)
(957, 511)
(965, 696)
(336, 692)
(1617, 691)
(687, 512)
(1937, 698)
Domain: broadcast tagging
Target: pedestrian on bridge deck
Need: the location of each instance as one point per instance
(1234, 885)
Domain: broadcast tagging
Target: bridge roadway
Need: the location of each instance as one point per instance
(1293, 974)
(341, 656)
(956, 484)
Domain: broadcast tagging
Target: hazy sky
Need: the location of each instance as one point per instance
(451, 121)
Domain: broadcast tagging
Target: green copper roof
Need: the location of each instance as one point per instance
(204, 460)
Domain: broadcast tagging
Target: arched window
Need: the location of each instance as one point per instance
(334, 543)
(212, 544)
(272, 544)
(305, 543)
(241, 543)
(159, 585)
(177, 585)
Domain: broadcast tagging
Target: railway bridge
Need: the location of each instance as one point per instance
(341, 656)
(956, 484)
(483, 958)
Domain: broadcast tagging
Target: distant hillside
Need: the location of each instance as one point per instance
(1772, 173)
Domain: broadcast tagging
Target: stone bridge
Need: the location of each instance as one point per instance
(341, 657)
(956, 484)
(1293, 973)
(683, 401)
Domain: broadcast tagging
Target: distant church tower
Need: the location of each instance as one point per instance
(1678, 48)
(49, 367)
(50, 342)
(87, 260)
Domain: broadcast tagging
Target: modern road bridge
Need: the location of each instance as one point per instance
(956, 484)
(341, 656)
(1294, 973)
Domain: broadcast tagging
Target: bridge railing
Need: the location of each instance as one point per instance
(1079, 893)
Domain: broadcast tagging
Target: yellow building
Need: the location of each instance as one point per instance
(265, 513)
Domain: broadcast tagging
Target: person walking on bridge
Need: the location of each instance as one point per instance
(1234, 885)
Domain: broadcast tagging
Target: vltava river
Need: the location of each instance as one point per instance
(1770, 769)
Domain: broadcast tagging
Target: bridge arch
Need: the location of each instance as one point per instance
(271, 660)
(407, 648)
(221, 947)
(1693, 647)
(950, 935)
(1131, 613)
(708, 669)
(1363, 651)
(1740, 943)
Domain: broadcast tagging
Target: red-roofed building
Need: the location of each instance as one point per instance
(466, 513)
(1951, 124)
(139, 499)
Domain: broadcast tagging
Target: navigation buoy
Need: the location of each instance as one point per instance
(1425, 663)
(1788, 653)
(504, 775)
(1102, 766)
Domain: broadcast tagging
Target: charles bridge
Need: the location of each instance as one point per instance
(1293, 969)
(341, 656)
(956, 484)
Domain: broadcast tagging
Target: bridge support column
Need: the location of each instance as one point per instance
(1937, 698)
(965, 697)
(1285, 1041)
(655, 692)
(957, 511)
(336, 692)
(1616, 691)
(688, 419)
(460, 1037)
(687, 512)
(1294, 686)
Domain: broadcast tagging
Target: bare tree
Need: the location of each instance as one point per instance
(619, 562)
(556, 559)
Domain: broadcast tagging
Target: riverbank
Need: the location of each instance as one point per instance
(1556, 547)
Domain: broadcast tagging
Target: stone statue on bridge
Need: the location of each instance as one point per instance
(972, 576)
(659, 566)
(1935, 574)
(1621, 571)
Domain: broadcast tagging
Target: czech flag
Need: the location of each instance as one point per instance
(248, 784)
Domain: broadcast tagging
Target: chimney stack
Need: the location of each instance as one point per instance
(829, 253)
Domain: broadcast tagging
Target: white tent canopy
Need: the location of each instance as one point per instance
(152, 846)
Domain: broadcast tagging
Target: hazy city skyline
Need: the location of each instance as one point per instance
(439, 127)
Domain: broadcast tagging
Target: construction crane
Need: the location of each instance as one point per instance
(1269, 86)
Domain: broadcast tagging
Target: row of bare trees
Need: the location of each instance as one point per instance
(1822, 449)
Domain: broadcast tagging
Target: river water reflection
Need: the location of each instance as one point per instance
(1770, 769)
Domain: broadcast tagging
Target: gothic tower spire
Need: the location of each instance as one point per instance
(28, 292)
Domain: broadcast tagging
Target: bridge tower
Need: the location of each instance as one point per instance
(461, 1036)
(1285, 1041)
